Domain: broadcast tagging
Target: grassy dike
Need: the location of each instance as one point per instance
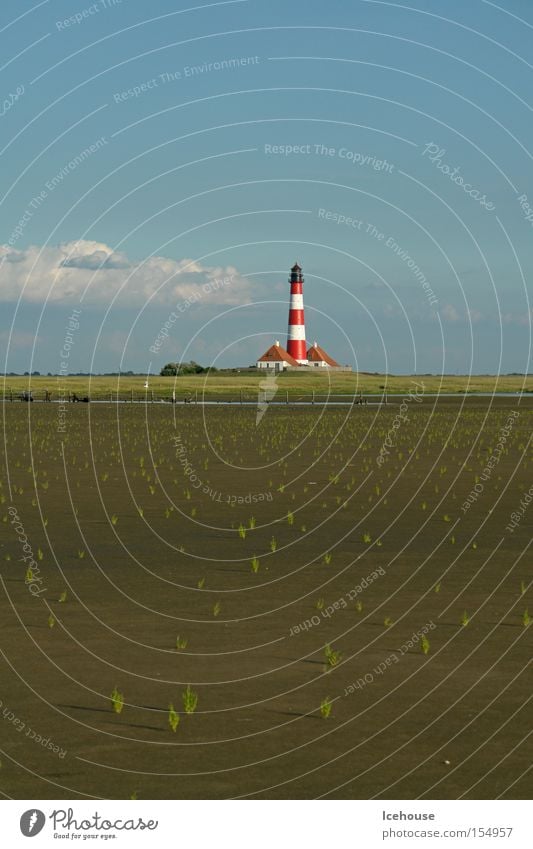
(231, 384)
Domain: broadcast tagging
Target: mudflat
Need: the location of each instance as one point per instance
(295, 603)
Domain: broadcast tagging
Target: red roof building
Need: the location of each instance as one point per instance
(276, 358)
(317, 357)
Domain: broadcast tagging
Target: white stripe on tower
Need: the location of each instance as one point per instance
(296, 345)
(296, 331)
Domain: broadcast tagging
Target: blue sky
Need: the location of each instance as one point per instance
(168, 158)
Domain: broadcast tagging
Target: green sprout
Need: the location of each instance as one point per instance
(190, 700)
(173, 717)
(325, 707)
(333, 657)
(117, 700)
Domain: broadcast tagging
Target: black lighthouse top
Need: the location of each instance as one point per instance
(296, 274)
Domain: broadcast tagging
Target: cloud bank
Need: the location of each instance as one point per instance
(94, 272)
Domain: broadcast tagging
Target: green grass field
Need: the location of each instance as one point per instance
(230, 385)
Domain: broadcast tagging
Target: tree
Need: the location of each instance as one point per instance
(177, 369)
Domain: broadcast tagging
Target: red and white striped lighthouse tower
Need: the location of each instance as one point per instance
(296, 345)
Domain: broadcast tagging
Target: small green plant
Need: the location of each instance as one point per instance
(117, 700)
(40, 554)
(367, 538)
(81, 553)
(29, 575)
(273, 544)
(190, 700)
(437, 588)
(303, 529)
(217, 607)
(242, 531)
(446, 518)
(424, 644)
(333, 657)
(290, 518)
(327, 558)
(325, 707)
(173, 718)
(140, 512)
(51, 621)
(359, 606)
(201, 583)
(465, 618)
(387, 621)
(523, 587)
(251, 523)
(181, 643)
(320, 604)
(254, 562)
(526, 618)
(63, 597)
(114, 519)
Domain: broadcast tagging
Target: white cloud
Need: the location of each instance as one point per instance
(64, 272)
(450, 313)
(17, 339)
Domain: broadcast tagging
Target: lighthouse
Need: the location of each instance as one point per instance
(296, 346)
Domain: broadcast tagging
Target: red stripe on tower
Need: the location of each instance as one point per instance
(296, 345)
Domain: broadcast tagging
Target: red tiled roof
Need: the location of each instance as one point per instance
(277, 354)
(316, 353)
